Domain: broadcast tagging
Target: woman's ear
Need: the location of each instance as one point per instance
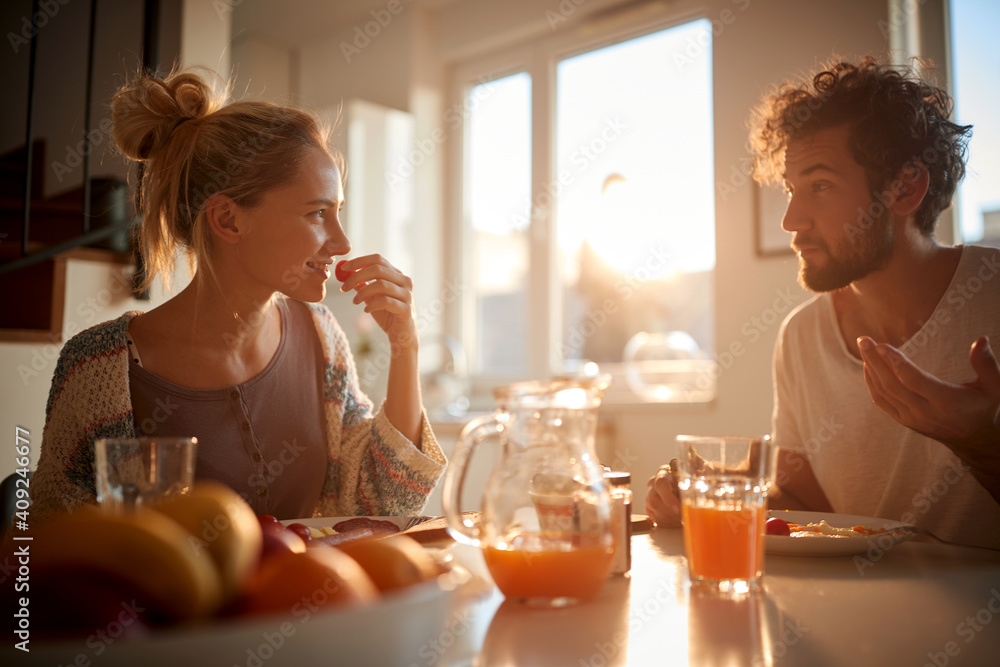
(910, 188)
(224, 218)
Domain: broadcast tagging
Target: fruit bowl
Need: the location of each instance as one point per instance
(396, 630)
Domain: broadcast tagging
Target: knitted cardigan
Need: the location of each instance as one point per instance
(371, 468)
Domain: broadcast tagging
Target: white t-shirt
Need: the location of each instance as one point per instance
(866, 462)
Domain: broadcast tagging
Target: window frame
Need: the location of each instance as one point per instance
(539, 58)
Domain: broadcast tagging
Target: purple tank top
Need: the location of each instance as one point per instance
(265, 438)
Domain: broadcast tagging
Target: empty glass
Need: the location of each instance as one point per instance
(137, 471)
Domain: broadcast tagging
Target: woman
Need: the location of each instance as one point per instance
(243, 358)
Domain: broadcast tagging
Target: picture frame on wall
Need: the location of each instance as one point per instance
(769, 205)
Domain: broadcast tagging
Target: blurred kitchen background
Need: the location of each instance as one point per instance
(566, 181)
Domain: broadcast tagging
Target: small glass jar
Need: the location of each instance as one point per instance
(620, 490)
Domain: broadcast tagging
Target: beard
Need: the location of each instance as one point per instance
(852, 259)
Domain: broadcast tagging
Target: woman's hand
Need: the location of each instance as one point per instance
(387, 295)
(388, 298)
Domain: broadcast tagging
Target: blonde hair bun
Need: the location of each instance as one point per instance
(148, 110)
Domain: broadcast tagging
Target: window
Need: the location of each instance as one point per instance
(588, 236)
(975, 63)
(499, 181)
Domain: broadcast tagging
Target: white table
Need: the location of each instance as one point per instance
(919, 604)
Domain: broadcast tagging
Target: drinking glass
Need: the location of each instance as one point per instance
(137, 471)
(723, 483)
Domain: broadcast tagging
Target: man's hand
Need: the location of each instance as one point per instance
(662, 503)
(965, 417)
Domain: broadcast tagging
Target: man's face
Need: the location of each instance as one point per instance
(839, 232)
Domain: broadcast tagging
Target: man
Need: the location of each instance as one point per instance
(869, 159)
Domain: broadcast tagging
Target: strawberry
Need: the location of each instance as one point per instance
(339, 272)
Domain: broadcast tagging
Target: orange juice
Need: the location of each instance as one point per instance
(724, 543)
(534, 566)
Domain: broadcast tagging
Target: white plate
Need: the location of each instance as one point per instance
(331, 521)
(832, 546)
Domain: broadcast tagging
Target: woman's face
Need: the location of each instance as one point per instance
(293, 234)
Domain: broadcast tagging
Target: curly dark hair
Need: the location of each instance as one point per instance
(896, 121)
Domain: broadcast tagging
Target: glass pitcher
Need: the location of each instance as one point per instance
(545, 528)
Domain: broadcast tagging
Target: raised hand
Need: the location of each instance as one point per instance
(965, 417)
(387, 295)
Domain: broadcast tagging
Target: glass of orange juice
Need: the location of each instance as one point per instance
(723, 483)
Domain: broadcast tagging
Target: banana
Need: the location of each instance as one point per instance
(143, 549)
(221, 523)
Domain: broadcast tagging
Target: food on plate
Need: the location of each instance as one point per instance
(823, 529)
(301, 530)
(338, 539)
(377, 526)
(322, 532)
(776, 526)
(393, 562)
(221, 523)
(149, 555)
(303, 583)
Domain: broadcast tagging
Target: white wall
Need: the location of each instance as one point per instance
(262, 70)
(206, 35)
